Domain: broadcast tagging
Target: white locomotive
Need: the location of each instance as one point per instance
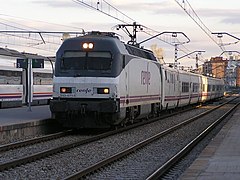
(13, 80)
(100, 81)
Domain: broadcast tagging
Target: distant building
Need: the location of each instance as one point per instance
(238, 77)
(228, 69)
(218, 66)
(207, 68)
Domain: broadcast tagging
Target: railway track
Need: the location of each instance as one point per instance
(14, 163)
(171, 163)
(39, 155)
(18, 144)
(95, 168)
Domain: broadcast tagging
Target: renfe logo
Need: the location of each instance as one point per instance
(87, 90)
(145, 77)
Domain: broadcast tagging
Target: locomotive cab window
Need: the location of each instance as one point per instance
(75, 60)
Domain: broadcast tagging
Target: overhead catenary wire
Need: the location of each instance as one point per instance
(32, 28)
(25, 36)
(185, 5)
(98, 6)
(102, 6)
(111, 11)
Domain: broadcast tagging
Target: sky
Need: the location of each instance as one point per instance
(159, 15)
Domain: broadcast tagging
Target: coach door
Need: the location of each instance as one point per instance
(24, 83)
(27, 81)
(125, 83)
(178, 88)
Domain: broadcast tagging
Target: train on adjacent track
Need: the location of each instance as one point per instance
(100, 81)
(14, 81)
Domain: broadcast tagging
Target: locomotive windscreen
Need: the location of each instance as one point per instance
(86, 61)
(100, 58)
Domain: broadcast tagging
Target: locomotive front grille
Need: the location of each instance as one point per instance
(101, 106)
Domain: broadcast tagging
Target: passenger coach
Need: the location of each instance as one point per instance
(13, 80)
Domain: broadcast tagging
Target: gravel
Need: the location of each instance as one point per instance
(133, 167)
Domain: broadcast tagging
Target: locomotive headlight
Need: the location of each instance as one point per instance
(106, 91)
(87, 46)
(65, 90)
(103, 90)
(90, 45)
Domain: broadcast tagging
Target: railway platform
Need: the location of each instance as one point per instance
(25, 121)
(15, 116)
(220, 160)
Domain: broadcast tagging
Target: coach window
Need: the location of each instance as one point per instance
(195, 87)
(10, 77)
(209, 88)
(221, 87)
(185, 87)
(42, 78)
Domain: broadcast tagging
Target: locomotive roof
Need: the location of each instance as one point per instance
(97, 34)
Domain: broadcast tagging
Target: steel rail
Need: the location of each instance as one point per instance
(43, 154)
(171, 162)
(49, 152)
(27, 142)
(124, 153)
